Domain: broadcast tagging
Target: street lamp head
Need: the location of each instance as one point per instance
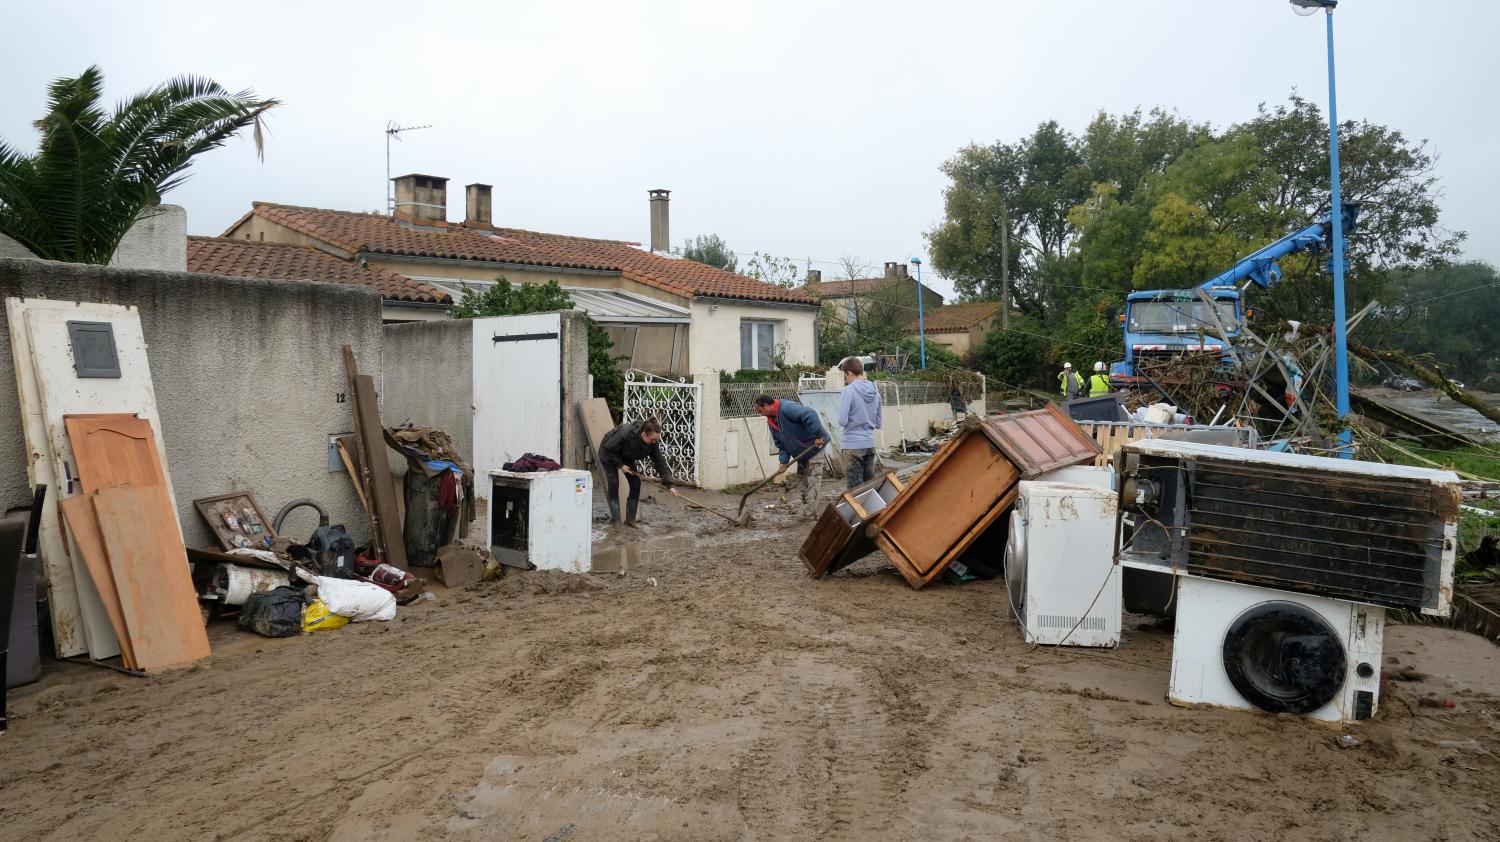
(1308, 7)
(917, 260)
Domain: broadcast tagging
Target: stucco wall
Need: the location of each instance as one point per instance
(714, 341)
(735, 451)
(429, 379)
(427, 368)
(248, 378)
(158, 240)
(11, 248)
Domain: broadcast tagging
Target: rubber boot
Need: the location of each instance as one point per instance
(630, 509)
(614, 512)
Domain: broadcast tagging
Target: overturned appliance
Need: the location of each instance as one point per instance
(1357, 531)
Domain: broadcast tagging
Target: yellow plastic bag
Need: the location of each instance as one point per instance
(317, 617)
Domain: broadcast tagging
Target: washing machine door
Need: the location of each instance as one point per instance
(1284, 657)
(1015, 563)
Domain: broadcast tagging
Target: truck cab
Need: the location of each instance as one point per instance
(1173, 322)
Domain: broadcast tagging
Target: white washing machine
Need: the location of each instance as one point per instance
(1060, 573)
(1242, 646)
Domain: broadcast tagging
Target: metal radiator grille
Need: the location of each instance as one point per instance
(1365, 539)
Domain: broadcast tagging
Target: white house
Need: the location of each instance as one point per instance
(664, 314)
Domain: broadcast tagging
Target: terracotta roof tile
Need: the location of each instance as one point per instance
(244, 259)
(367, 232)
(856, 286)
(954, 318)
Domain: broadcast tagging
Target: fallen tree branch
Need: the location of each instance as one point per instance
(1429, 375)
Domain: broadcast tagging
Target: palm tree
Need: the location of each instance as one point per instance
(94, 174)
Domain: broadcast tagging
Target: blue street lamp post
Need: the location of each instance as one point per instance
(1340, 339)
(921, 326)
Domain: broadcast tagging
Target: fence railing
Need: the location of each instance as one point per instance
(737, 400)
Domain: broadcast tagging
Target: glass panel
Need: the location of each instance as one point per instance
(747, 345)
(766, 336)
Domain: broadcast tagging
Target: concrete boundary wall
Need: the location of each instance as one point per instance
(248, 375)
(739, 450)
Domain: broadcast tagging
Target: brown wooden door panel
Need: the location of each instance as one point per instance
(111, 449)
(78, 514)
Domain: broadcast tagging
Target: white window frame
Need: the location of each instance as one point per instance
(760, 358)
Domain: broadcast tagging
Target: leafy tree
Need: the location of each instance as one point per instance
(1450, 313)
(502, 299)
(1016, 357)
(710, 249)
(781, 271)
(95, 173)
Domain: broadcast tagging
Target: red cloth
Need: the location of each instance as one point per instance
(775, 411)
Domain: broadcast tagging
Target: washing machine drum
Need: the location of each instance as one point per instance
(1284, 658)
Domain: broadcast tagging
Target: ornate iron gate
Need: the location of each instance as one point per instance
(675, 404)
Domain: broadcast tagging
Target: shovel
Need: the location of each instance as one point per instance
(762, 483)
(740, 520)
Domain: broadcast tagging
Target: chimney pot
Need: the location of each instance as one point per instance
(901, 271)
(422, 197)
(890, 269)
(661, 234)
(815, 276)
(477, 205)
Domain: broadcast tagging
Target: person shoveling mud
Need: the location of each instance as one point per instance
(622, 448)
(796, 429)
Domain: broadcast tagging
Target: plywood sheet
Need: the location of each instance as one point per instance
(138, 525)
(111, 449)
(78, 515)
(597, 422)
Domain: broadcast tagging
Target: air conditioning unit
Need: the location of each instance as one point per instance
(1241, 646)
(1060, 575)
(1357, 531)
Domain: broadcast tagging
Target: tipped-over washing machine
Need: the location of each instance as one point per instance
(1243, 646)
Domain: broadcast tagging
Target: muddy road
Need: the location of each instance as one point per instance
(712, 691)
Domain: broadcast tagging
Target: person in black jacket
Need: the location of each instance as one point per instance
(622, 448)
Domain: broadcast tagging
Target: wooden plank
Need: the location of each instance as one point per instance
(361, 456)
(382, 485)
(111, 449)
(349, 455)
(144, 544)
(597, 422)
(78, 515)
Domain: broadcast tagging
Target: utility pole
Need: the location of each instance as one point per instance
(1005, 268)
(393, 131)
(921, 326)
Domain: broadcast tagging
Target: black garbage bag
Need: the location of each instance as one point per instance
(274, 613)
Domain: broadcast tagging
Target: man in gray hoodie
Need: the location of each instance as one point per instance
(859, 417)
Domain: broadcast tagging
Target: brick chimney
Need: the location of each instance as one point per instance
(901, 271)
(477, 205)
(422, 197)
(890, 269)
(661, 233)
(815, 276)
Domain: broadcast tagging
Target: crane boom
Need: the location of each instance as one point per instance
(1263, 268)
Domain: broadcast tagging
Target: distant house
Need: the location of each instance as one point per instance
(402, 299)
(854, 301)
(664, 314)
(960, 328)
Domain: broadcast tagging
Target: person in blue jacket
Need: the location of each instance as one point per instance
(859, 418)
(794, 429)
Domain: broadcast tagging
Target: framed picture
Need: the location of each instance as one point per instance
(237, 520)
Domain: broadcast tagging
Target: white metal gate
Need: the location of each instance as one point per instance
(675, 404)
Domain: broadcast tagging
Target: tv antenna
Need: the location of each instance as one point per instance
(393, 131)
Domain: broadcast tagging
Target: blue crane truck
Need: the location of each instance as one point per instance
(1165, 323)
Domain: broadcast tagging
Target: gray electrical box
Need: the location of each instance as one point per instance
(94, 353)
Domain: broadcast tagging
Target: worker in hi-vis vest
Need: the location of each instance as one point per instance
(1099, 383)
(1070, 383)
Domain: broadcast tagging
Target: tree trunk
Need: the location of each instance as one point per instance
(1429, 375)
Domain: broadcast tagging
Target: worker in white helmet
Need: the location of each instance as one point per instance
(1099, 383)
(1070, 383)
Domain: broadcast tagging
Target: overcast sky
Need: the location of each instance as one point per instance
(804, 129)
